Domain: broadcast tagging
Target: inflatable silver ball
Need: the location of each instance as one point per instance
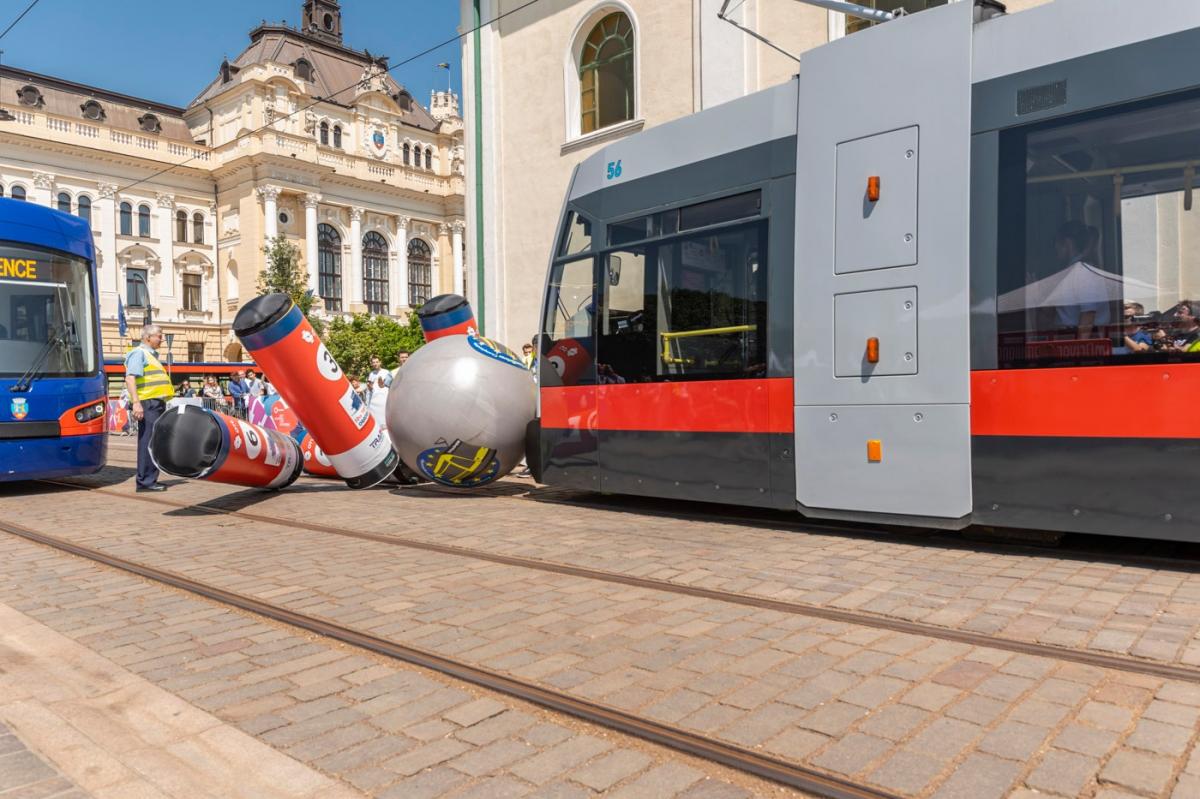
(458, 409)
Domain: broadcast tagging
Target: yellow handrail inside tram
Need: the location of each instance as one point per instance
(667, 338)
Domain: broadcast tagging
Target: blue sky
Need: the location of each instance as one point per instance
(168, 50)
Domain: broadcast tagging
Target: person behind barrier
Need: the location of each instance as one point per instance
(149, 388)
(238, 391)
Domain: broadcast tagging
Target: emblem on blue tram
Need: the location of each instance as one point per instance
(19, 407)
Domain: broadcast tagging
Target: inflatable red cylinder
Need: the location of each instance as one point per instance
(316, 462)
(190, 441)
(274, 331)
(446, 315)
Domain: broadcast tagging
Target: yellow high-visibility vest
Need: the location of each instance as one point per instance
(153, 382)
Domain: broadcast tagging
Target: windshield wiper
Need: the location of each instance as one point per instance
(35, 370)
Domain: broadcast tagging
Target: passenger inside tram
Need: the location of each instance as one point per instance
(1099, 247)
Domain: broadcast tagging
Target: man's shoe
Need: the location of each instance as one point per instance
(155, 487)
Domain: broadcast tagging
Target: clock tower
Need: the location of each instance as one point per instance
(323, 19)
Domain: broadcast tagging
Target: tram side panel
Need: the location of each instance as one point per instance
(1085, 376)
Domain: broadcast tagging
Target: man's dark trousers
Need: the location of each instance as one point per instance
(147, 474)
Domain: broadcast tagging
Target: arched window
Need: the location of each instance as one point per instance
(325, 133)
(1, 189)
(420, 273)
(329, 267)
(304, 70)
(606, 74)
(375, 272)
(198, 228)
(64, 202)
(181, 225)
(126, 219)
(428, 158)
(144, 221)
(17, 193)
(84, 206)
(149, 123)
(407, 154)
(337, 136)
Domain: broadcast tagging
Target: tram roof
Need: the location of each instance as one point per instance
(25, 222)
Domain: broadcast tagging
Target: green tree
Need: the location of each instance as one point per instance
(284, 275)
(353, 341)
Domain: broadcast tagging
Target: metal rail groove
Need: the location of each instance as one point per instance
(726, 754)
(1102, 660)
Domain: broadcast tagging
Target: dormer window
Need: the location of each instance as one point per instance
(404, 100)
(328, 22)
(92, 110)
(31, 96)
(149, 123)
(303, 69)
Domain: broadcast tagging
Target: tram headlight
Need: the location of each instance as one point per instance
(89, 412)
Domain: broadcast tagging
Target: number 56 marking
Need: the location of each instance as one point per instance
(614, 169)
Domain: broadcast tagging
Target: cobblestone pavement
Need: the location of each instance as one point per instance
(1106, 607)
(25, 773)
(387, 729)
(915, 715)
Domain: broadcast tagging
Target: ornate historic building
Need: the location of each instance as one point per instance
(299, 136)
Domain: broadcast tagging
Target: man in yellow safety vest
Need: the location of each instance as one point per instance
(149, 387)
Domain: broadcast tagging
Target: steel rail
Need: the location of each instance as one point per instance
(726, 754)
(1102, 660)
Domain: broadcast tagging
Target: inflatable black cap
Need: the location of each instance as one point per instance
(185, 441)
(260, 313)
(438, 305)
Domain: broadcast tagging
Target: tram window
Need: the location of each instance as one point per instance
(693, 308)
(576, 235)
(630, 230)
(725, 209)
(568, 325)
(1098, 260)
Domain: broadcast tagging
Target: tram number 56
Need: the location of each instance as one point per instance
(614, 170)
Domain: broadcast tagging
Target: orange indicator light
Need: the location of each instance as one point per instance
(874, 451)
(872, 350)
(873, 188)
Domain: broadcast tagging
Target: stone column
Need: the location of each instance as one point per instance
(439, 260)
(457, 249)
(400, 296)
(104, 219)
(311, 253)
(43, 189)
(166, 246)
(269, 195)
(356, 273)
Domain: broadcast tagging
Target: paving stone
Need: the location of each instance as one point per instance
(1065, 773)
(510, 722)
(1014, 740)
(1139, 771)
(852, 753)
(543, 767)
(475, 712)
(1160, 738)
(931, 697)
(493, 757)
(426, 785)
(666, 780)
(980, 777)
(1086, 740)
(945, 738)
(834, 718)
(607, 771)
(907, 772)
(1106, 716)
(431, 754)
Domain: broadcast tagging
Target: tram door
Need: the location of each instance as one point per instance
(882, 414)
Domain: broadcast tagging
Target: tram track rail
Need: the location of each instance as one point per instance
(748, 761)
(859, 618)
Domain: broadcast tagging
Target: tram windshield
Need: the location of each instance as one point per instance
(1099, 256)
(47, 323)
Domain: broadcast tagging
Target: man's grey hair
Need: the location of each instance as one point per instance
(150, 330)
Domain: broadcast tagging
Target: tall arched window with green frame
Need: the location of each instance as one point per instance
(606, 83)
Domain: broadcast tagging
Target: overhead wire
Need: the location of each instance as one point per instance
(318, 101)
(13, 24)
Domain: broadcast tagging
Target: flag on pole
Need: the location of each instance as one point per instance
(122, 323)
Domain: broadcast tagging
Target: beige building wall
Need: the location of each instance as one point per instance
(685, 60)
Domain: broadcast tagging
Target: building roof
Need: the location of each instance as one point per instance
(65, 98)
(337, 70)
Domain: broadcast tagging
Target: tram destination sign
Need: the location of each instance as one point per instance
(20, 268)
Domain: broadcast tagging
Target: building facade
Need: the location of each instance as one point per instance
(553, 82)
(298, 136)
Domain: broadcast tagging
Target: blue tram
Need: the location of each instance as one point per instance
(52, 382)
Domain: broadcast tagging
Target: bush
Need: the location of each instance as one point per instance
(353, 341)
